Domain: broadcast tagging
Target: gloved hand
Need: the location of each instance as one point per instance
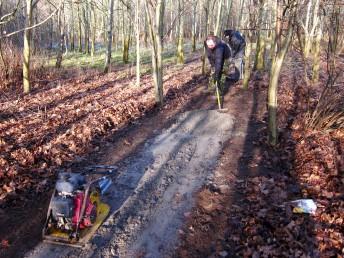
(217, 77)
(211, 84)
(230, 60)
(211, 78)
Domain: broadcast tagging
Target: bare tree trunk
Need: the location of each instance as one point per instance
(212, 16)
(316, 56)
(126, 46)
(273, 85)
(229, 11)
(104, 27)
(51, 33)
(126, 31)
(240, 13)
(194, 25)
(61, 39)
(138, 57)
(65, 31)
(86, 27)
(310, 25)
(2, 58)
(248, 50)
(307, 42)
(180, 48)
(94, 31)
(79, 30)
(259, 64)
(109, 39)
(146, 34)
(27, 48)
(71, 21)
(156, 33)
(248, 70)
(218, 19)
(206, 11)
(172, 19)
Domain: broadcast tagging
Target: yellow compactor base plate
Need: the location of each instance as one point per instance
(58, 237)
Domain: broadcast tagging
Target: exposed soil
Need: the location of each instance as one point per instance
(154, 188)
(127, 139)
(118, 141)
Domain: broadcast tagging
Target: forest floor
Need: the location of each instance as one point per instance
(191, 183)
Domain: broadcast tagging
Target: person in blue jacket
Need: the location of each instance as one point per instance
(237, 43)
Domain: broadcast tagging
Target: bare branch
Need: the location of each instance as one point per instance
(10, 16)
(36, 25)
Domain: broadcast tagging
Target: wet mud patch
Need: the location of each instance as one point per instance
(154, 189)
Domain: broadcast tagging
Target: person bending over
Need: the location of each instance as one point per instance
(217, 52)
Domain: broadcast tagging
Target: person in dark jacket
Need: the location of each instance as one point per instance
(237, 44)
(217, 52)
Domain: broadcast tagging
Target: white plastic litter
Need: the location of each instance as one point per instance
(304, 206)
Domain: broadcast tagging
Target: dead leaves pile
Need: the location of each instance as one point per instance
(60, 123)
(318, 166)
(266, 227)
(316, 161)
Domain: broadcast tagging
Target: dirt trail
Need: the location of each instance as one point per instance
(134, 122)
(153, 190)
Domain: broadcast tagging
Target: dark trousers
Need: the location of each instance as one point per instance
(239, 63)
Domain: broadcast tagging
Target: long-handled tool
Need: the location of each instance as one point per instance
(219, 97)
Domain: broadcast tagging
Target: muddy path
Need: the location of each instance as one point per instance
(154, 188)
(183, 93)
(163, 160)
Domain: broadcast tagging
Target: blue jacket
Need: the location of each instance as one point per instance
(236, 41)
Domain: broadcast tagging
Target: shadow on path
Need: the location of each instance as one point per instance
(241, 212)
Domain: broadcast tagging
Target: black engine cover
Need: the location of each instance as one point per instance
(62, 206)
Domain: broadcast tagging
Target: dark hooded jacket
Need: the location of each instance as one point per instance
(217, 56)
(237, 43)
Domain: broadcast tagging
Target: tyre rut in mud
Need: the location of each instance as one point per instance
(153, 190)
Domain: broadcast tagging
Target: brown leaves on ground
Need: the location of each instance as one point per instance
(318, 167)
(257, 220)
(60, 122)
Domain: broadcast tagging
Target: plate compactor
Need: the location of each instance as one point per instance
(76, 209)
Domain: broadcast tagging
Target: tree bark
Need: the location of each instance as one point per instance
(240, 13)
(218, 19)
(94, 31)
(206, 11)
(109, 38)
(259, 64)
(79, 30)
(61, 39)
(194, 25)
(72, 41)
(86, 27)
(180, 47)
(273, 84)
(248, 69)
(316, 56)
(27, 48)
(126, 32)
(138, 57)
(229, 9)
(156, 34)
